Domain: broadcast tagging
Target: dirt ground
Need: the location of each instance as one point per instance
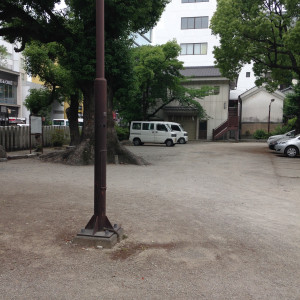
(203, 221)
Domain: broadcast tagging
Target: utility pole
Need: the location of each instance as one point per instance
(272, 100)
(99, 230)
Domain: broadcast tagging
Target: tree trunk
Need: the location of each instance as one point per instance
(84, 152)
(297, 124)
(115, 150)
(88, 112)
(72, 114)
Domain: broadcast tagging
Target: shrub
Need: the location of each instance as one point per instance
(123, 133)
(260, 134)
(57, 138)
(288, 127)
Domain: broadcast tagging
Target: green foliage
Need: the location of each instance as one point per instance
(3, 53)
(38, 102)
(38, 148)
(260, 134)
(123, 133)
(68, 39)
(265, 32)
(291, 105)
(43, 60)
(58, 138)
(157, 82)
(291, 124)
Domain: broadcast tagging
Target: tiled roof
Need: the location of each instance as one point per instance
(201, 72)
(180, 110)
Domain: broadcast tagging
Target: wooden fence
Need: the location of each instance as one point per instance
(14, 138)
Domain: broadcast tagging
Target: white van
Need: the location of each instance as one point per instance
(65, 122)
(151, 132)
(182, 136)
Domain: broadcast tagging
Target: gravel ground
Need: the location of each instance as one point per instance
(203, 221)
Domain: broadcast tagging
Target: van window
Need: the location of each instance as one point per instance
(136, 126)
(60, 122)
(148, 126)
(175, 127)
(161, 127)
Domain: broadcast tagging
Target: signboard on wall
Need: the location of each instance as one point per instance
(36, 125)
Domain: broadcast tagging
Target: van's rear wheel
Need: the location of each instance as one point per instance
(169, 143)
(137, 142)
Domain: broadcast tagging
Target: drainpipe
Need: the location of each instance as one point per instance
(240, 117)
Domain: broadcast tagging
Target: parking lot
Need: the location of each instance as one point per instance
(203, 221)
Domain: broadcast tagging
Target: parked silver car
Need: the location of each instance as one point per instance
(290, 148)
(274, 139)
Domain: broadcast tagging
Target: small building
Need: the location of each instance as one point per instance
(216, 105)
(260, 109)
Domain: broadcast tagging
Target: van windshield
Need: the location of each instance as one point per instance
(175, 127)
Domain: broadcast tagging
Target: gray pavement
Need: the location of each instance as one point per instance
(203, 221)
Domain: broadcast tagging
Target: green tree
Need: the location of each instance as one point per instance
(291, 107)
(3, 53)
(265, 32)
(74, 29)
(158, 82)
(43, 60)
(38, 102)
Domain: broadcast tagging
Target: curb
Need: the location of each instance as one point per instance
(11, 157)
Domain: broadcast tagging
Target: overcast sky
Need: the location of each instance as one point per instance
(61, 5)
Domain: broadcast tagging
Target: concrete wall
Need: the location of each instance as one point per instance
(255, 108)
(250, 128)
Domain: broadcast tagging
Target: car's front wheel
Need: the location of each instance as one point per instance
(291, 151)
(181, 141)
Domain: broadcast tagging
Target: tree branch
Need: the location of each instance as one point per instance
(160, 107)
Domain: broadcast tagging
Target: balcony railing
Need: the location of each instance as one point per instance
(12, 101)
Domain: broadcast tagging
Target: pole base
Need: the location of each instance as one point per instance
(106, 238)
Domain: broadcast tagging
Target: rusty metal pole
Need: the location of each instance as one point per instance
(99, 221)
(99, 230)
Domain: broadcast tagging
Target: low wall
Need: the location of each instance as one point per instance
(250, 128)
(14, 138)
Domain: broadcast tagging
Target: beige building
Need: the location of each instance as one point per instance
(216, 106)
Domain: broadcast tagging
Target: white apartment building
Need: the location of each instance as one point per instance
(188, 21)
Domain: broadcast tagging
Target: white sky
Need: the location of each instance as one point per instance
(61, 5)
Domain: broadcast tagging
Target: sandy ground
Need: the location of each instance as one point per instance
(203, 221)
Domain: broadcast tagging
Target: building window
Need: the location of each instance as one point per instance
(193, 1)
(8, 93)
(194, 49)
(247, 74)
(194, 23)
(216, 90)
